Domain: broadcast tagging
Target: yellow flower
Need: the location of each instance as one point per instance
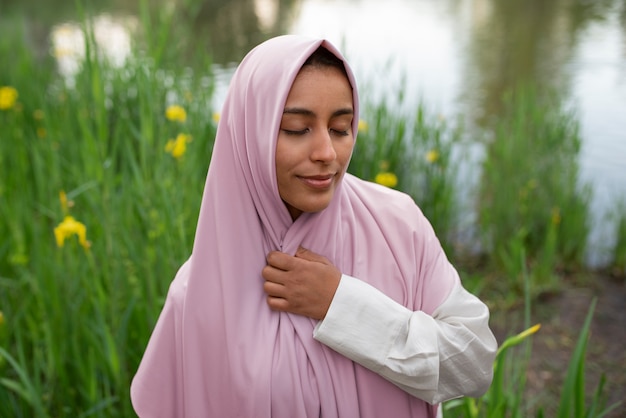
(432, 156)
(363, 126)
(178, 146)
(38, 114)
(216, 117)
(8, 97)
(176, 113)
(386, 179)
(41, 132)
(69, 227)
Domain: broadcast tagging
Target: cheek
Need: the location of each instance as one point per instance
(282, 173)
(281, 159)
(344, 151)
(286, 162)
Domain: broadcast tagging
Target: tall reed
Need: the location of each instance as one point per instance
(77, 313)
(531, 196)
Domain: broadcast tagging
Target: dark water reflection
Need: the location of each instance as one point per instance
(577, 48)
(460, 56)
(232, 28)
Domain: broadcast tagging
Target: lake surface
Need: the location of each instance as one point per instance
(457, 56)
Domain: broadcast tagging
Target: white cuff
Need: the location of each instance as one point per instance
(361, 323)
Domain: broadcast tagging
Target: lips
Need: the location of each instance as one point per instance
(323, 181)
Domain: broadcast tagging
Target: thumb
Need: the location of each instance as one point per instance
(309, 255)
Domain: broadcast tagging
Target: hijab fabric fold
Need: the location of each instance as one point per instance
(217, 349)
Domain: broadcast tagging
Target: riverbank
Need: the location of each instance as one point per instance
(561, 315)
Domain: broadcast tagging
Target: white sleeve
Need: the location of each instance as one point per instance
(435, 358)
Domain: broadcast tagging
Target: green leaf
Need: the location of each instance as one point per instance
(573, 394)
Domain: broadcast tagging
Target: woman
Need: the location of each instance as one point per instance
(309, 293)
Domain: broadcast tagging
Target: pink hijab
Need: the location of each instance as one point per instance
(217, 349)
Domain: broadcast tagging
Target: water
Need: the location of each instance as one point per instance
(600, 93)
(458, 57)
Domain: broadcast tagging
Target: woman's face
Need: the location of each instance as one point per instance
(315, 140)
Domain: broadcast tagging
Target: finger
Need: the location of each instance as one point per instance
(277, 304)
(273, 289)
(281, 261)
(273, 274)
(309, 255)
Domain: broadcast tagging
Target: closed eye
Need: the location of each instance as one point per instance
(340, 132)
(295, 133)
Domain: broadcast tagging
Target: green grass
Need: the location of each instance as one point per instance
(74, 321)
(531, 196)
(78, 319)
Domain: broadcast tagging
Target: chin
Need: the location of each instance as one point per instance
(318, 207)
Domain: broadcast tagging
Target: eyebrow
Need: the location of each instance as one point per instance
(307, 112)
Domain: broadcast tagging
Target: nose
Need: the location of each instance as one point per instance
(323, 149)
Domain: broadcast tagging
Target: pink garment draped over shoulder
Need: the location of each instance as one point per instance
(217, 349)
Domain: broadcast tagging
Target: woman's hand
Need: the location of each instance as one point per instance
(303, 284)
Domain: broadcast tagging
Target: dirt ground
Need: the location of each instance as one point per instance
(562, 316)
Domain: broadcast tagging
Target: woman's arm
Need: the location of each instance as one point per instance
(435, 358)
